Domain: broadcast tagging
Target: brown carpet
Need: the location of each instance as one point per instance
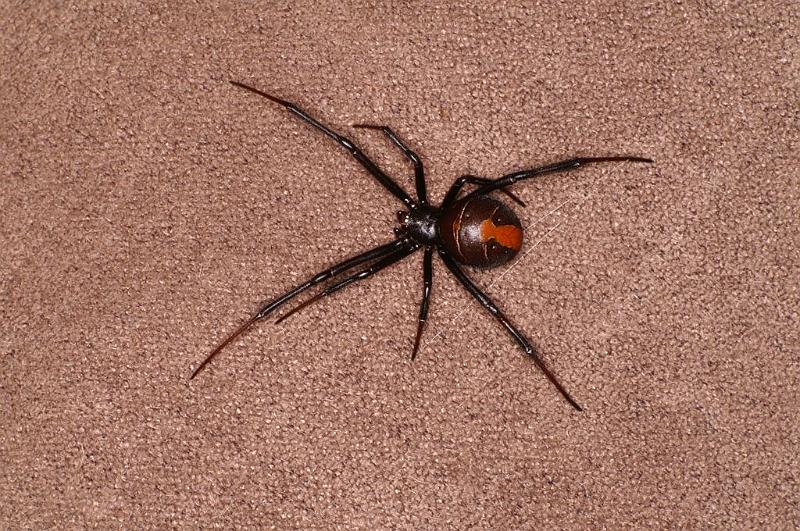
(148, 207)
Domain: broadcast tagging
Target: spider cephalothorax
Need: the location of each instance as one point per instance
(420, 224)
(474, 230)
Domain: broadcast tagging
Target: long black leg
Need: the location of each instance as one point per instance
(427, 284)
(566, 165)
(345, 142)
(419, 171)
(268, 308)
(487, 303)
(452, 193)
(360, 275)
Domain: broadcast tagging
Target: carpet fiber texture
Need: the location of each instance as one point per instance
(148, 206)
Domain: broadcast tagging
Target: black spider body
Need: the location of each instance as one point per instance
(474, 230)
(480, 231)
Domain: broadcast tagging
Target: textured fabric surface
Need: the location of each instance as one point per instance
(148, 207)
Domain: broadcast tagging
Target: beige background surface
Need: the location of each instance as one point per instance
(148, 206)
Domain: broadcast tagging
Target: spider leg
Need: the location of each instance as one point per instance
(427, 283)
(452, 193)
(419, 171)
(566, 165)
(487, 303)
(343, 141)
(266, 309)
(367, 272)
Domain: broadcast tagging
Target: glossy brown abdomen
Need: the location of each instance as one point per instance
(480, 231)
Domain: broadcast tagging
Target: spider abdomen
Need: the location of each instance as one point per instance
(480, 231)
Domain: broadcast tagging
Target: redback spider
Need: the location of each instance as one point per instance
(474, 229)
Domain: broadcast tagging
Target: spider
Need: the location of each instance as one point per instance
(473, 229)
